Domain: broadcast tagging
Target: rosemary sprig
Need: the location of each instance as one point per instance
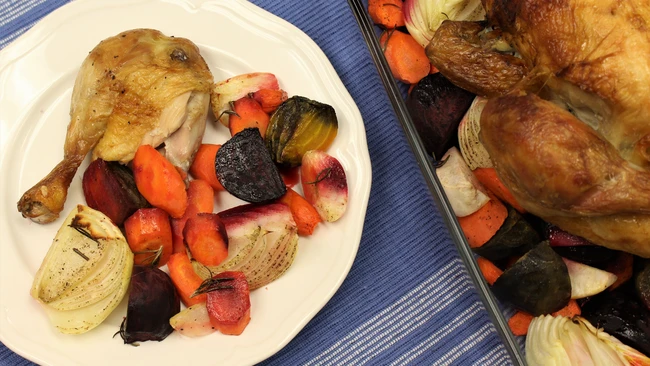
(80, 254)
(122, 333)
(440, 163)
(82, 231)
(389, 34)
(155, 257)
(322, 175)
(213, 284)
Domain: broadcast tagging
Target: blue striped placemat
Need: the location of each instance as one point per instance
(407, 299)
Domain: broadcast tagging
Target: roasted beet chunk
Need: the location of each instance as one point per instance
(246, 170)
(538, 283)
(622, 315)
(153, 300)
(436, 107)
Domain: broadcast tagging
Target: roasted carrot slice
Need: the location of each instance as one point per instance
(622, 267)
(405, 56)
(147, 231)
(512, 260)
(200, 197)
(490, 180)
(572, 309)
(387, 13)
(519, 323)
(304, 214)
(248, 113)
(185, 279)
(159, 182)
(205, 236)
(270, 99)
(480, 226)
(411, 88)
(203, 165)
(489, 270)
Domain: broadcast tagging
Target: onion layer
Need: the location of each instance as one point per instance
(469, 131)
(423, 17)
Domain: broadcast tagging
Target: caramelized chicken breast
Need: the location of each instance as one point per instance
(138, 87)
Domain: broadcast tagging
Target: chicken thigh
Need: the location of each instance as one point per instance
(570, 137)
(138, 87)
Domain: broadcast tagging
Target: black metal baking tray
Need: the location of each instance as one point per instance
(426, 163)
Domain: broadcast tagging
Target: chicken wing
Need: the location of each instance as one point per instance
(138, 87)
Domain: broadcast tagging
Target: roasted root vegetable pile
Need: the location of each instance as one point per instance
(154, 233)
(575, 301)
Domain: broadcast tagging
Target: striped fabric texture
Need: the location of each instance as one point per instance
(407, 299)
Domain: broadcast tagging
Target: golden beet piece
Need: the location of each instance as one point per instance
(297, 126)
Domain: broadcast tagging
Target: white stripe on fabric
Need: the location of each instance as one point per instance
(16, 11)
(438, 335)
(389, 337)
(501, 356)
(454, 353)
(375, 333)
(377, 319)
(378, 323)
(402, 306)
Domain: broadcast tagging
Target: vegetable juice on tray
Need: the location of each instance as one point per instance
(151, 228)
(542, 153)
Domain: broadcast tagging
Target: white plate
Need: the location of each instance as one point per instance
(37, 73)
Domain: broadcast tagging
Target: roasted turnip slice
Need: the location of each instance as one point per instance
(464, 191)
(153, 300)
(324, 184)
(236, 87)
(193, 321)
(587, 280)
(245, 168)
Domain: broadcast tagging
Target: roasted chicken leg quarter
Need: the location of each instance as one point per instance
(567, 125)
(138, 87)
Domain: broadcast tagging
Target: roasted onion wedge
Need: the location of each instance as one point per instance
(85, 273)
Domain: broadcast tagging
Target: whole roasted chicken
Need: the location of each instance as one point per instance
(567, 124)
(138, 87)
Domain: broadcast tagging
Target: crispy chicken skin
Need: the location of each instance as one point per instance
(600, 48)
(571, 139)
(573, 172)
(471, 61)
(138, 87)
